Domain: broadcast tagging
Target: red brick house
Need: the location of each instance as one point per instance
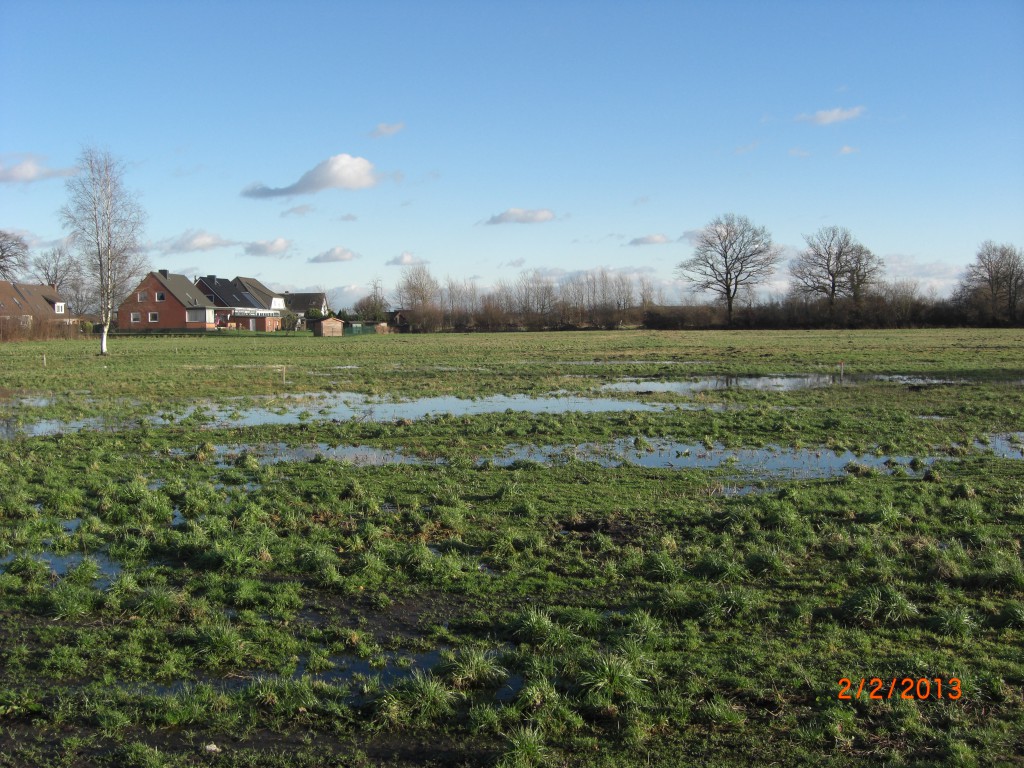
(166, 302)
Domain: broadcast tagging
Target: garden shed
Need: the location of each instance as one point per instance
(329, 326)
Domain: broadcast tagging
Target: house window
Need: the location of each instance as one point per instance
(161, 296)
(154, 317)
(58, 308)
(136, 317)
(143, 296)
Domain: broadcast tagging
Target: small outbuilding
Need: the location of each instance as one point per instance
(329, 326)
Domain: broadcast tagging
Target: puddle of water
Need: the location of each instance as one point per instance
(274, 453)
(61, 564)
(1008, 446)
(390, 667)
(618, 362)
(773, 461)
(72, 525)
(787, 383)
(711, 383)
(352, 406)
(9, 430)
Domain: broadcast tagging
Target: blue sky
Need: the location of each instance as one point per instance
(328, 143)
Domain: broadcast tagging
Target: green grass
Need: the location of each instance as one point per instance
(315, 612)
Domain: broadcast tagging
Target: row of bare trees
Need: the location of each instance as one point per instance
(532, 301)
(732, 256)
(835, 281)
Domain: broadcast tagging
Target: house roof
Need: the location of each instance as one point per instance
(17, 299)
(257, 290)
(229, 292)
(182, 289)
(300, 302)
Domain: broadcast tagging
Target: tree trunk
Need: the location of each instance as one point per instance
(103, 339)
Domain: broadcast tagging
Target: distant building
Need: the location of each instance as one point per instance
(259, 293)
(236, 307)
(164, 301)
(300, 303)
(24, 306)
(329, 326)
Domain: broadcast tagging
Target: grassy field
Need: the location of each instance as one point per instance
(209, 574)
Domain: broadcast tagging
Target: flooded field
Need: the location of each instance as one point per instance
(512, 551)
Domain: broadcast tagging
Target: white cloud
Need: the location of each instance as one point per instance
(386, 129)
(514, 263)
(195, 240)
(346, 217)
(334, 254)
(746, 148)
(406, 259)
(339, 172)
(298, 210)
(276, 248)
(797, 152)
(522, 216)
(829, 116)
(847, 150)
(691, 236)
(938, 276)
(657, 239)
(25, 169)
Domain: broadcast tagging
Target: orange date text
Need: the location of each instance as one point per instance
(917, 688)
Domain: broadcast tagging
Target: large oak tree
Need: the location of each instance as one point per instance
(731, 254)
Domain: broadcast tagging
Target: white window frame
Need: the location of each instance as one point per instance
(58, 308)
(161, 296)
(142, 296)
(136, 317)
(153, 317)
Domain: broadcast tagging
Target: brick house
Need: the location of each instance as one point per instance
(166, 302)
(24, 306)
(236, 307)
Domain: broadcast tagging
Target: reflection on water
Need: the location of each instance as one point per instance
(771, 462)
(710, 383)
(61, 564)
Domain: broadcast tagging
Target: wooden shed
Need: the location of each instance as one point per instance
(330, 326)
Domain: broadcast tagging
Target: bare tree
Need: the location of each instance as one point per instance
(374, 306)
(995, 282)
(731, 254)
(461, 300)
(833, 266)
(105, 223)
(56, 267)
(865, 271)
(13, 255)
(419, 292)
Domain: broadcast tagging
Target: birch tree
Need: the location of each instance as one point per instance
(105, 224)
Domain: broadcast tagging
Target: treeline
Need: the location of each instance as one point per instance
(604, 299)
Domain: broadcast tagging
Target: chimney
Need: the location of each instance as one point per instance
(163, 272)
